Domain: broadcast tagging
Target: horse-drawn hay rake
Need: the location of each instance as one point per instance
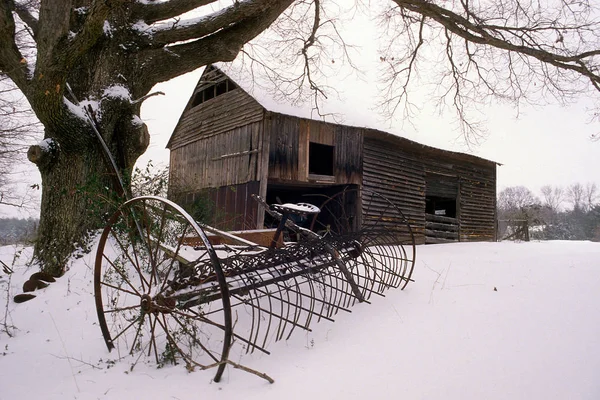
(164, 291)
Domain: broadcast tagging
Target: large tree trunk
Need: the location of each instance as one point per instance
(75, 197)
(107, 55)
(79, 185)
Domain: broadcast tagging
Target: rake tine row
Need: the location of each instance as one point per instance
(163, 290)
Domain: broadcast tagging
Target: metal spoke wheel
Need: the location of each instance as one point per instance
(159, 288)
(387, 245)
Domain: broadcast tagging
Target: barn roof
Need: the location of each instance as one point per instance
(357, 118)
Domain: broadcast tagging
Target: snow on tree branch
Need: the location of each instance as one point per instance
(151, 12)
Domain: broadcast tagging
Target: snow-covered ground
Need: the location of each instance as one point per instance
(481, 321)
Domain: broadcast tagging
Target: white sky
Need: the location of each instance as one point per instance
(545, 145)
(536, 146)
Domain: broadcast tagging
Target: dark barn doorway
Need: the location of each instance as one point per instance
(441, 208)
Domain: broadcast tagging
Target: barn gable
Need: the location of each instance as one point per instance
(217, 105)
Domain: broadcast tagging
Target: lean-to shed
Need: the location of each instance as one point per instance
(227, 146)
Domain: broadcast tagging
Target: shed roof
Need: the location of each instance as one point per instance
(373, 129)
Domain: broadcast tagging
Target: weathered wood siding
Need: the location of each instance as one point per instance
(289, 150)
(226, 207)
(477, 201)
(220, 114)
(229, 158)
(284, 134)
(406, 172)
(398, 175)
(440, 184)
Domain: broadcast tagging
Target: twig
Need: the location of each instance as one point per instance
(7, 328)
(65, 350)
(80, 361)
(434, 283)
(5, 268)
(446, 276)
(243, 368)
(147, 96)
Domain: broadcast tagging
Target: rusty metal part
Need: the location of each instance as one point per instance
(159, 296)
(139, 253)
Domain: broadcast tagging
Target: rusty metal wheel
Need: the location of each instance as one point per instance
(152, 257)
(387, 245)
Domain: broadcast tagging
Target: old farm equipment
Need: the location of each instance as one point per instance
(175, 291)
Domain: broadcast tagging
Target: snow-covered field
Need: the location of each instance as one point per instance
(481, 321)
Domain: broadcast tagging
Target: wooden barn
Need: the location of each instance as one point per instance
(228, 146)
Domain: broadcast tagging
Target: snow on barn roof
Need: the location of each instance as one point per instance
(354, 111)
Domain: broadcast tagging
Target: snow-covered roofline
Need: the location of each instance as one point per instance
(335, 111)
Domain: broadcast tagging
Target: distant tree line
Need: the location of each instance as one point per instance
(560, 213)
(15, 230)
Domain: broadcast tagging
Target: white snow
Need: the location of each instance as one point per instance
(47, 144)
(481, 321)
(136, 121)
(116, 91)
(143, 28)
(79, 110)
(108, 29)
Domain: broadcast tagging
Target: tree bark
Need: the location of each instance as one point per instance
(110, 61)
(75, 196)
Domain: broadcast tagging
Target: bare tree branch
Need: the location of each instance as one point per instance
(53, 26)
(179, 31)
(11, 60)
(513, 50)
(153, 12)
(23, 11)
(224, 45)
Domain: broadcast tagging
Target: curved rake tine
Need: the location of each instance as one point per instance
(197, 342)
(217, 325)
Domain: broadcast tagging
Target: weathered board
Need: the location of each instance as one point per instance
(407, 173)
(221, 114)
(229, 158)
(290, 139)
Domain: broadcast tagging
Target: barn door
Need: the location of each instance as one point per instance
(441, 208)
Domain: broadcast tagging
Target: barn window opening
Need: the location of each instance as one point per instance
(320, 159)
(213, 91)
(440, 206)
(197, 99)
(221, 88)
(209, 93)
(316, 195)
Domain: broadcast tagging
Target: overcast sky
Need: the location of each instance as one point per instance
(544, 145)
(536, 145)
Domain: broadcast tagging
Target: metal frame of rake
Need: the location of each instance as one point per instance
(165, 294)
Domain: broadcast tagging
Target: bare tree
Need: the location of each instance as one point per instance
(98, 60)
(590, 195)
(576, 195)
(552, 197)
(18, 126)
(516, 198)
(515, 51)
